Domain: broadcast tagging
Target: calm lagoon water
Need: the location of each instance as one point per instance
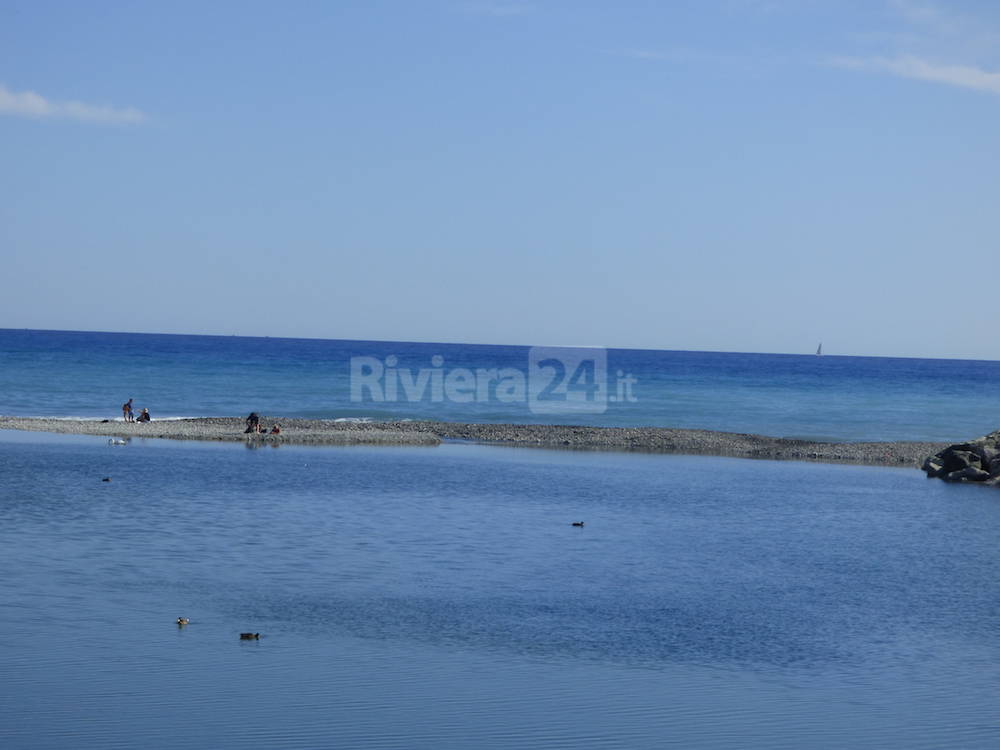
(440, 598)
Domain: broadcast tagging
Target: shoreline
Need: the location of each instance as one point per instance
(224, 429)
(634, 439)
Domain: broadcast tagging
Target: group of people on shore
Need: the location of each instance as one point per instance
(253, 421)
(254, 426)
(129, 414)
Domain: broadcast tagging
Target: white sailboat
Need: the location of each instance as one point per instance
(819, 349)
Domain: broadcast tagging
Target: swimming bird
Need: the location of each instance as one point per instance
(182, 621)
(249, 636)
(578, 523)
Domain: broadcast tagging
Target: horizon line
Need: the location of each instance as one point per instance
(477, 343)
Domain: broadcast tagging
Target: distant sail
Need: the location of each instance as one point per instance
(819, 349)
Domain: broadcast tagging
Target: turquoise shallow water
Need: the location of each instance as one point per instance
(439, 597)
(81, 374)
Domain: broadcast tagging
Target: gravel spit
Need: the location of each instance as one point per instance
(641, 439)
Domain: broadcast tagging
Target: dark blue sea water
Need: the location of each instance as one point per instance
(440, 598)
(830, 397)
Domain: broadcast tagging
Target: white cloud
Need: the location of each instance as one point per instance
(30, 104)
(966, 76)
(931, 41)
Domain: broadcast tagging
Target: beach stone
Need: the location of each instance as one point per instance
(968, 474)
(973, 461)
(984, 451)
(932, 467)
(957, 458)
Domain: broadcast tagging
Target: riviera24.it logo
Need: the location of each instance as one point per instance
(562, 380)
(557, 380)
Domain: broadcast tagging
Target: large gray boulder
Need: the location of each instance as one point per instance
(975, 461)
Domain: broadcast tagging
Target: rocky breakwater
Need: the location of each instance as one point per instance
(975, 461)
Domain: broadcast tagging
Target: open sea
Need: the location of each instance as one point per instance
(415, 597)
(81, 374)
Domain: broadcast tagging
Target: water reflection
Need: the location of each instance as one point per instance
(256, 443)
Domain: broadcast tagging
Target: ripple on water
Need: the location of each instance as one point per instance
(440, 599)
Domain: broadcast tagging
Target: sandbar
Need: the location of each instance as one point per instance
(640, 439)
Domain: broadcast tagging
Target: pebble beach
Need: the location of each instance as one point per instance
(640, 439)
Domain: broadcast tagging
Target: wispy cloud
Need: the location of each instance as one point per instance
(948, 27)
(965, 76)
(932, 42)
(31, 104)
(926, 14)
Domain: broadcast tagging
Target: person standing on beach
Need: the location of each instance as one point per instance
(253, 423)
(127, 411)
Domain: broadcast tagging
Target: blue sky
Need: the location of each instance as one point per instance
(736, 175)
